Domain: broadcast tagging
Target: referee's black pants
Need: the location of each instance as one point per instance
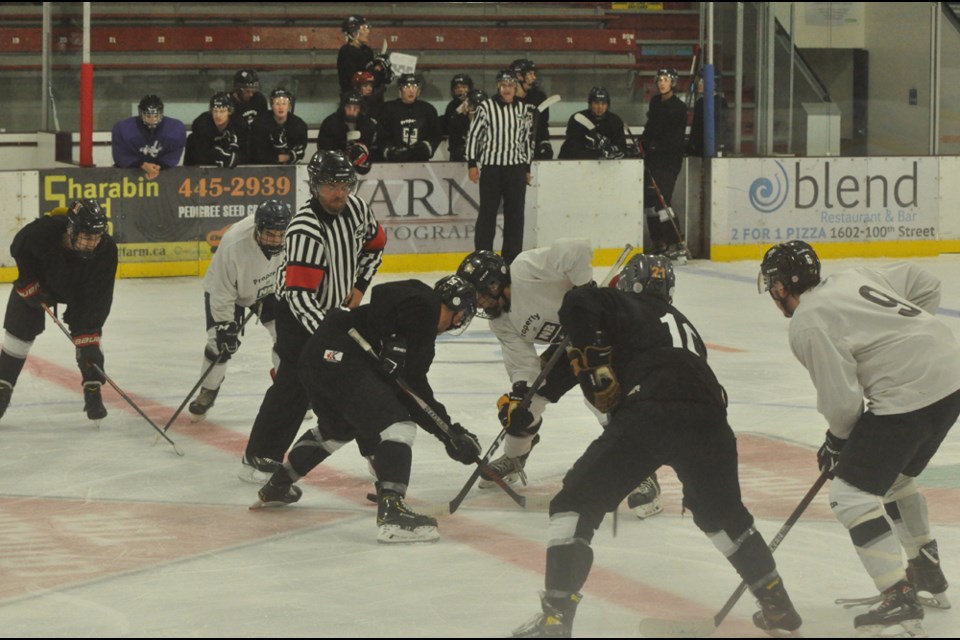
(509, 184)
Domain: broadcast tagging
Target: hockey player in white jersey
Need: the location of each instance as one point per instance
(522, 302)
(241, 276)
(872, 333)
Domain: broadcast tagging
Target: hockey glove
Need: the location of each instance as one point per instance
(591, 366)
(595, 140)
(514, 418)
(396, 154)
(829, 453)
(228, 339)
(89, 355)
(544, 151)
(462, 445)
(612, 152)
(393, 355)
(34, 295)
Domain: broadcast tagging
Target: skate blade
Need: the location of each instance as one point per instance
(395, 534)
(907, 629)
(932, 601)
(510, 479)
(260, 504)
(648, 510)
(197, 417)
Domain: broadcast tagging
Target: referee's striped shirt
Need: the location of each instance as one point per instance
(325, 256)
(500, 134)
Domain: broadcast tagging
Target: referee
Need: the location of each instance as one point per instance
(332, 249)
(500, 140)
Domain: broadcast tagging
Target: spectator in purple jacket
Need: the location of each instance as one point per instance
(149, 142)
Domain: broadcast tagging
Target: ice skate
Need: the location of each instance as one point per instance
(776, 616)
(6, 392)
(398, 523)
(554, 621)
(677, 253)
(645, 499)
(898, 614)
(204, 400)
(257, 470)
(925, 574)
(509, 469)
(93, 402)
(278, 492)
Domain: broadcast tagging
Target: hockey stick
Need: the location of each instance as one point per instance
(428, 410)
(661, 628)
(535, 120)
(66, 332)
(200, 381)
(528, 398)
(663, 203)
(586, 123)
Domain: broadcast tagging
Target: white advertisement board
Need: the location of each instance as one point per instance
(873, 206)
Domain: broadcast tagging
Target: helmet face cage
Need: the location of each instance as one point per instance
(460, 78)
(330, 167)
(151, 106)
(459, 295)
(272, 215)
(281, 92)
(793, 263)
(598, 94)
(650, 275)
(670, 73)
(246, 78)
(85, 216)
(488, 274)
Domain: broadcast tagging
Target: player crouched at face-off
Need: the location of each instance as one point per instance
(355, 397)
(67, 259)
(638, 358)
(241, 276)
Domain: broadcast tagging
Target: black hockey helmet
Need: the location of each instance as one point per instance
(221, 100)
(793, 263)
(246, 78)
(598, 94)
(648, 275)
(489, 274)
(351, 97)
(330, 167)
(460, 78)
(272, 215)
(521, 67)
(506, 75)
(351, 25)
(459, 295)
(283, 92)
(670, 73)
(405, 79)
(85, 216)
(475, 97)
(151, 107)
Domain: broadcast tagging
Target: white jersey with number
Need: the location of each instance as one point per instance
(871, 333)
(539, 278)
(239, 274)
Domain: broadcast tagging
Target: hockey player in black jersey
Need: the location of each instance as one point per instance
(605, 141)
(638, 358)
(356, 397)
(356, 55)
(350, 131)
(530, 93)
(218, 137)
(409, 127)
(248, 102)
(279, 136)
(456, 121)
(69, 259)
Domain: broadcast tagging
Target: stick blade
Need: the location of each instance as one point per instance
(661, 628)
(549, 102)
